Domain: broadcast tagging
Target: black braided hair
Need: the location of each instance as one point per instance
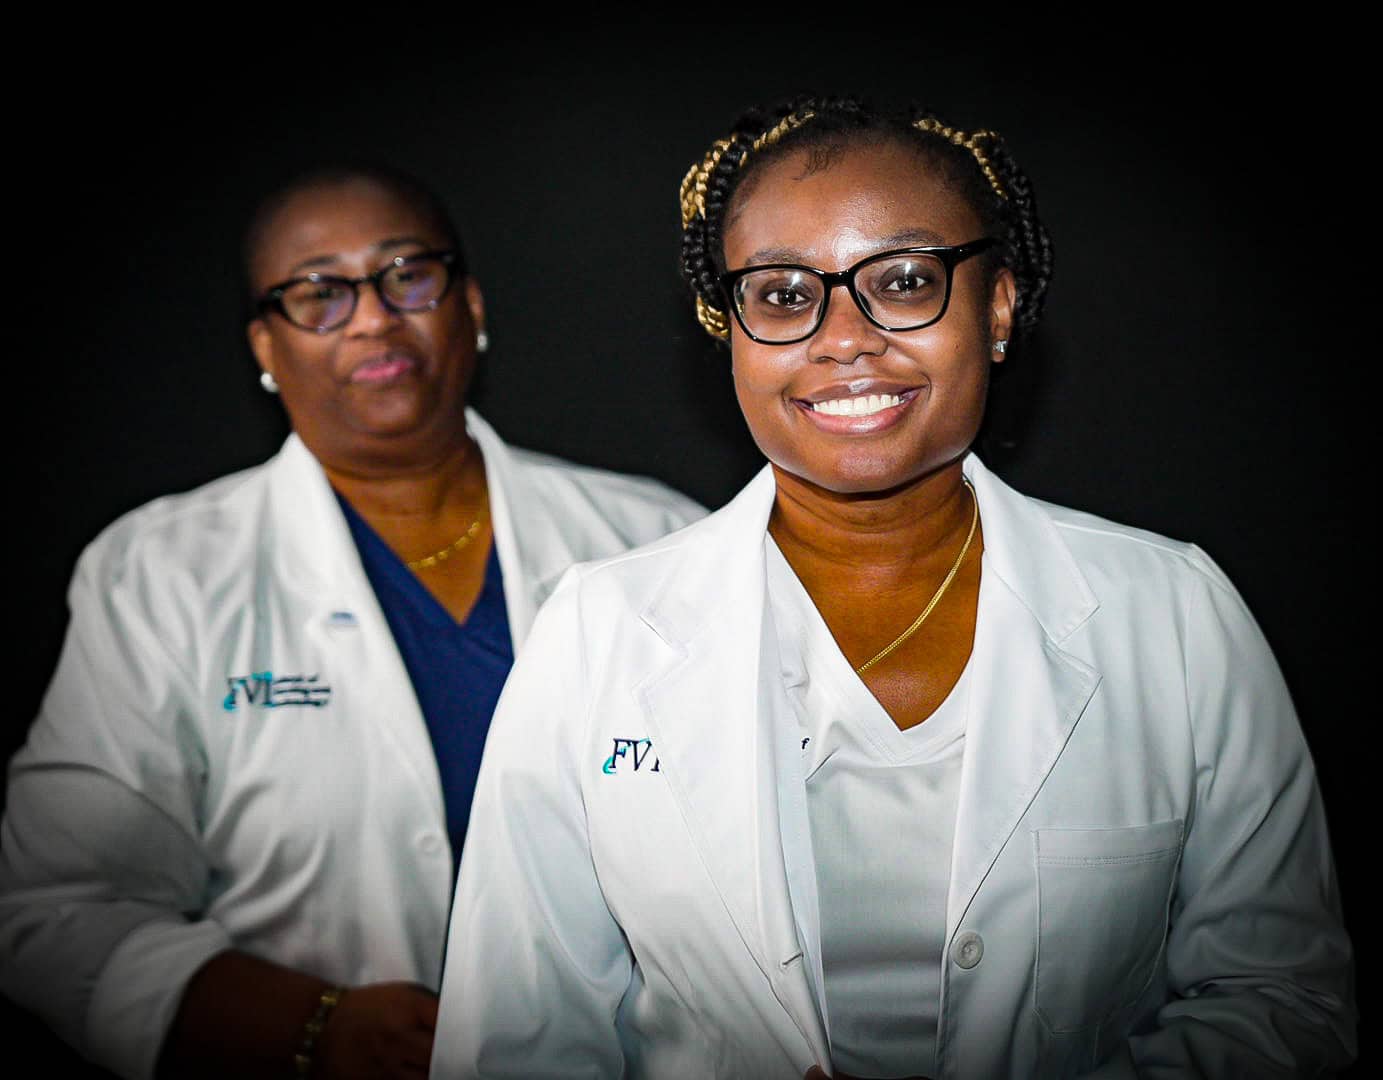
(825, 127)
(397, 182)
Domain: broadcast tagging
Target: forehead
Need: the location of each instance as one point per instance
(343, 222)
(831, 210)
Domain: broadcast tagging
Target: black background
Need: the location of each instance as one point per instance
(1202, 368)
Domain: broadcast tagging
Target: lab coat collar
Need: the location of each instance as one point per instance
(1027, 692)
(528, 538)
(317, 553)
(314, 543)
(1021, 547)
(734, 774)
(320, 551)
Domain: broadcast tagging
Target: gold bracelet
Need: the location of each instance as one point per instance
(312, 1030)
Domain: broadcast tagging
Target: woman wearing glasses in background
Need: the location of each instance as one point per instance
(884, 769)
(229, 841)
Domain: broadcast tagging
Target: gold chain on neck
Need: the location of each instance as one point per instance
(936, 596)
(427, 562)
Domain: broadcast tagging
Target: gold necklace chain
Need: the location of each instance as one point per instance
(427, 562)
(936, 596)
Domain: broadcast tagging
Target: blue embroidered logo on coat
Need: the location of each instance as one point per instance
(630, 751)
(263, 689)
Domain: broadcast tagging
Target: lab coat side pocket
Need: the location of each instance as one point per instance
(1103, 897)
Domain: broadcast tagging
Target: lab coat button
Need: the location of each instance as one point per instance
(967, 950)
(429, 843)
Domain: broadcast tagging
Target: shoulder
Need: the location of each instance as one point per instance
(1109, 552)
(1158, 595)
(185, 532)
(1066, 564)
(637, 508)
(711, 568)
(614, 493)
(1116, 586)
(687, 574)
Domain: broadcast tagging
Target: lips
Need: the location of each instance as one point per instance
(384, 368)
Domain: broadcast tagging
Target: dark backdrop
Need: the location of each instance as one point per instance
(1195, 374)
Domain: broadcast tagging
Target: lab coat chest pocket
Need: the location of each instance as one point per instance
(1103, 899)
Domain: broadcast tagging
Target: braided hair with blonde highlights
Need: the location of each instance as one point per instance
(977, 164)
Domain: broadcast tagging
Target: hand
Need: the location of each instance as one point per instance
(377, 1032)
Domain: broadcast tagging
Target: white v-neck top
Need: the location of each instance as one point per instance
(882, 805)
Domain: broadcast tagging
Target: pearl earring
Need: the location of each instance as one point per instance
(482, 341)
(267, 381)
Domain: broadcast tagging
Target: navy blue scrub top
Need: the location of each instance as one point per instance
(457, 669)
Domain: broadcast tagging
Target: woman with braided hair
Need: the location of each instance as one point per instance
(884, 769)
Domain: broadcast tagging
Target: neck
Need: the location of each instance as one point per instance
(875, 539)
(417, 492)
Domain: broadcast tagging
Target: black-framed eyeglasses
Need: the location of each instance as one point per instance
(326, 302)
(905, 289)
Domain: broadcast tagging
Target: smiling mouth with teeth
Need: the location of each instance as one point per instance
(864, 405)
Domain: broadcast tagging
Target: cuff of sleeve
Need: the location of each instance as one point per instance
(139, 990)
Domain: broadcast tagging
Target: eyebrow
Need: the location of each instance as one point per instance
(379, 248)
(918, 237)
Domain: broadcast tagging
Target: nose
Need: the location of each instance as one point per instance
(845, 334)
(371, 314)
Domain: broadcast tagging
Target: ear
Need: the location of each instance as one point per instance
(261, 344)
(476, 302)
(1001, 306)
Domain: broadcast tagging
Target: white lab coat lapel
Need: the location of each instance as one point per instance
(320, 549)
(732, 770)
(325, 549)
(534, 551)
(522, 582)
(1027, 692)
(320, 552)
(735, 775)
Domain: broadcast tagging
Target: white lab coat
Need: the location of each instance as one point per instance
(163, 810)
(1141, 881)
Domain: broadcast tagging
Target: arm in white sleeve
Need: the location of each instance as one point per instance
(101, 873)
(1259, 964)
(536, 965)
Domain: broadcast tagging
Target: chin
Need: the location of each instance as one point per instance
(399, 416)
(868, 463)
(871, 475)
(872, 482)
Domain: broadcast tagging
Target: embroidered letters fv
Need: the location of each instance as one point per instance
(634, 753)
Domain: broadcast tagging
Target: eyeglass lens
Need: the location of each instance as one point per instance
(325, 302)
(900, 292)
